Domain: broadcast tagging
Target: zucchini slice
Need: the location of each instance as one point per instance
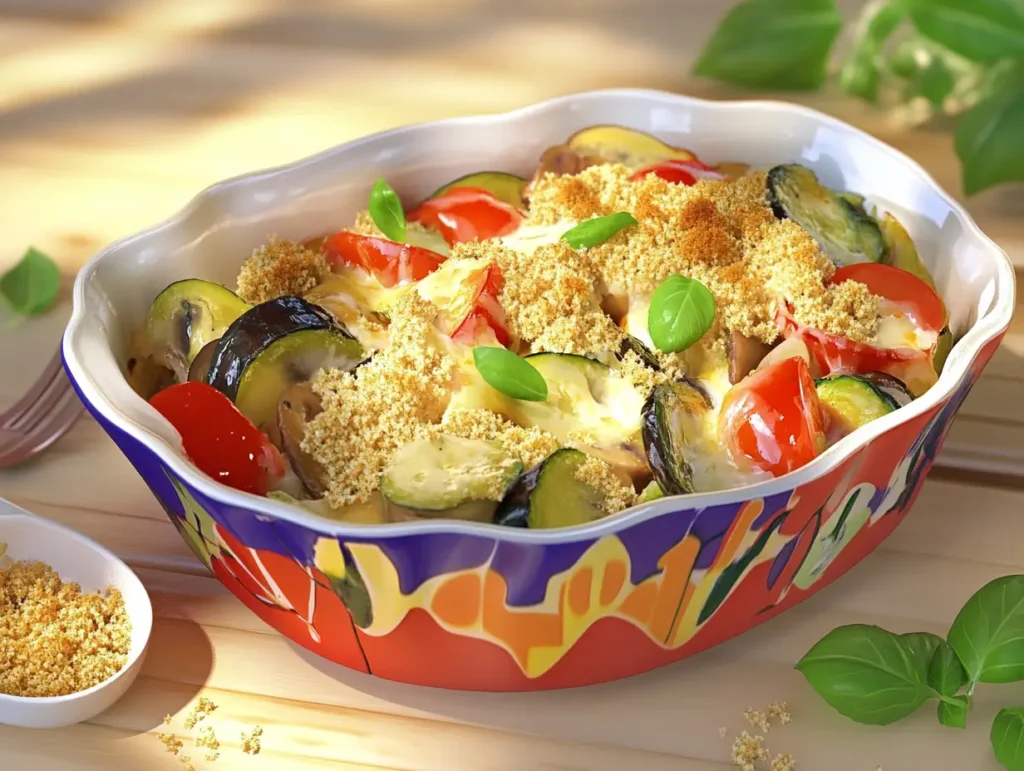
(674, 418)
(855, 400)
(845, 233)
(625, 145)
(273, 346)
(891, 386)
(942, 348)
(502, 185)
(186, 316)
(584, 395)
(900, 251)
(551, 495)
(449, 476)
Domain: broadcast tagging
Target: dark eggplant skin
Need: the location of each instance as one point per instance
(252, 332)
(891, 386)
(200, 367)
(514, 509)
(647, 357)
(668, 412)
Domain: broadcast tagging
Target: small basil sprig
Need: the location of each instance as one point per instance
(876, 677)
(597, 230)
(386, 211)
(32, 285)
(682, 311)
(511, 374)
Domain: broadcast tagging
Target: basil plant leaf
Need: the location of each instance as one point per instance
(953, 713)
(922, 645)
(597, 230)
(988, 138)
(988, 633)
(511, 374)
(980, 30)
(386, 211)
(866, 673)
(945, 672)
(781, 44)
(682, 311)
(1007, 738)
(935, 82)
(32, 285)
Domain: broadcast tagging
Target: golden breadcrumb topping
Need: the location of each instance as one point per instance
(251, 741)
(56, 639)
(280, 268)
(365, 226)
(721, 233)
(199, 711)
(171, 742)
(748, 750)
(208, 740)
(616, 494)
(528, 445)
(639, 375)
(370, 413)
(550, 297)
(783, 762)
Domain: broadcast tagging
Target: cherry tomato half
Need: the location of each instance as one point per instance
(218, 439)
(463, 214)
(390, 261)
(487, 313)
(831, 353)
(904, 290)
(680, 172)
(773, 419)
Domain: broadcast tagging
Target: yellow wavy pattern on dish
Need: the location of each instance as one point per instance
(472, 602)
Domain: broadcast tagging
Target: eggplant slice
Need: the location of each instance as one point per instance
(647, 357)
(298, 405)
(674, 417)
(844, 232)
(275, 345)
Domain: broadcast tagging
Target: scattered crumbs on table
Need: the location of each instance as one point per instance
(780, 710)
(783, 762)
(723, 731)
(167, 719)
(171, 742)
(186, 761)
(199, 711)
(757, 719)
(251, 741)
(208, 739)
(748, 750)
(56, 639)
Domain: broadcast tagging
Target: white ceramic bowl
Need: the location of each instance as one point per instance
(79, 559)
(743, 554)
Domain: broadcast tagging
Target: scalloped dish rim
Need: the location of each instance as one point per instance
(986, 328)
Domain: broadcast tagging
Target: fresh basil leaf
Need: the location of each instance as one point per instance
(772, 44)
(512, 375)
(988, 138)
(1007, 738)
(866, 673)
(386, 211)
(945, 672)
(597, 230)
(32, 285)
(988, 632)
(879, 20)
(682, 311)
(922, 645)
(953, 713)
(861, 74)
(980, 30)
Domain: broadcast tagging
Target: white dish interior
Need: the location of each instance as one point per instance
(212, 236)
(75, 558)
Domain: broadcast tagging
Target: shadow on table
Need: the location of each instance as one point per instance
(178, 664)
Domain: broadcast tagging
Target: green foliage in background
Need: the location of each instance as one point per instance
(962, 58)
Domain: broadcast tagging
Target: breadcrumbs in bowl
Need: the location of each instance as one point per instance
(74, 623)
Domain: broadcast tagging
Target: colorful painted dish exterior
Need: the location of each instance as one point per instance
(479, 607)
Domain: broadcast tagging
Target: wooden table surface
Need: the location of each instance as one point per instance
(113, 113)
